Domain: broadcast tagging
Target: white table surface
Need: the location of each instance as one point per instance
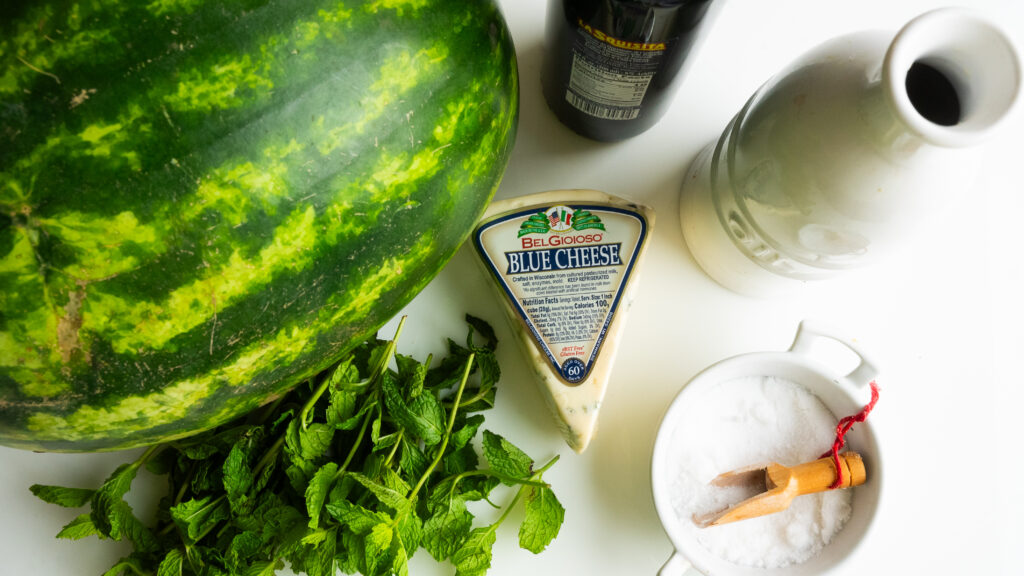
(943, 320)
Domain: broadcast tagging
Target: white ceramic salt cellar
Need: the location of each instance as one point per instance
(835, 161)
(811, 362)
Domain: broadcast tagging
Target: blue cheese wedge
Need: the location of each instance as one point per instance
(565, 263)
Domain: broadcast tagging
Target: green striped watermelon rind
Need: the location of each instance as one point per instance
(204, 208)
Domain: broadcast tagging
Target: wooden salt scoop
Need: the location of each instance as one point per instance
(779, 484)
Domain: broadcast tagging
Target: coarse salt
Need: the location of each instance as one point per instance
(754, 421)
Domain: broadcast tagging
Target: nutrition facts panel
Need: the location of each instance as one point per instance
(609, 81)
(594, 89)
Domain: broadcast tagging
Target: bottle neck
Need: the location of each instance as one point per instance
(890, 134)
(950, 77)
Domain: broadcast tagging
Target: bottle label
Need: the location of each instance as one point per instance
(564, 269)
(609, 76)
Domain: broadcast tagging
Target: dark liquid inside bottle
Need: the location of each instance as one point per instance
(933, 95)
(611, 67)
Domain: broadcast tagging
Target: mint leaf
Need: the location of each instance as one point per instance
(381, 443)
(320, 560)
(312, 539)
(341, 489)
(237, 470)
(162, 463)
(358, 519)
(462, 455)
(400, 565)
(354, 421)
(412, 461)
(465, 432)
(485, 330)
(447, 529)
(79, 528)
(505, 458)
(345, 375)
(350, 554)
(126, 566)
(341, 409)
(279, 521)
(264, 568)
(448, 374)
(127, 526)
(112, 516)
(343, 396)
(171, 565)
(490, 371)
(298, 476)
(544, 516)
(394, 481)
(255, 521)
(410, 531)
(106, 500)
(281, 420)
(375, 430)
(235, 506)
(212, 570)
(317, 490)
(412, 374)
(305, 448)
(484, 398)
(468, 489)
(461, 460)
(207, 476)
(315, 440)
(422, 416)
(199, 451)
(474, 558)
(195, 518)
(61, 496)
(380, 555)
(244, 546)
(387, 496)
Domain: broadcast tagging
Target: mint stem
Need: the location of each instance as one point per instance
(448, 430)
(304, 414)
(385, 359)
(147, 455)
(184, 484)
(508, 509)
(357, 442)
(481, 395)
(545, 467)
(269, 457)
(499, 476)
(522, 488)
(394, 449)
(389, 351)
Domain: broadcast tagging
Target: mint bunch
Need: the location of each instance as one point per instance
(355, 470)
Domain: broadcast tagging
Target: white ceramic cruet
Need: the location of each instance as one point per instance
(839, 160)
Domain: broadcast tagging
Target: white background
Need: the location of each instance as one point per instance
(942, 320)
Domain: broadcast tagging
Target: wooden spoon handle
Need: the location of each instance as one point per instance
(819, 475)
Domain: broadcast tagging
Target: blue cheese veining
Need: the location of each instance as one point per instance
(565, 262)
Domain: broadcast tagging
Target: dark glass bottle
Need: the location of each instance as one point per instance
(611, 67)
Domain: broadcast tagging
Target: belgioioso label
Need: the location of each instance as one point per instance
(564, 268)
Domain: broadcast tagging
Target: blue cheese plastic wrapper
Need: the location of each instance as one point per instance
(565, 263)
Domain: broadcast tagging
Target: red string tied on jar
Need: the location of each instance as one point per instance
(844, 426)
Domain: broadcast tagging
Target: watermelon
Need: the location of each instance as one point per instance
(204, 203)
